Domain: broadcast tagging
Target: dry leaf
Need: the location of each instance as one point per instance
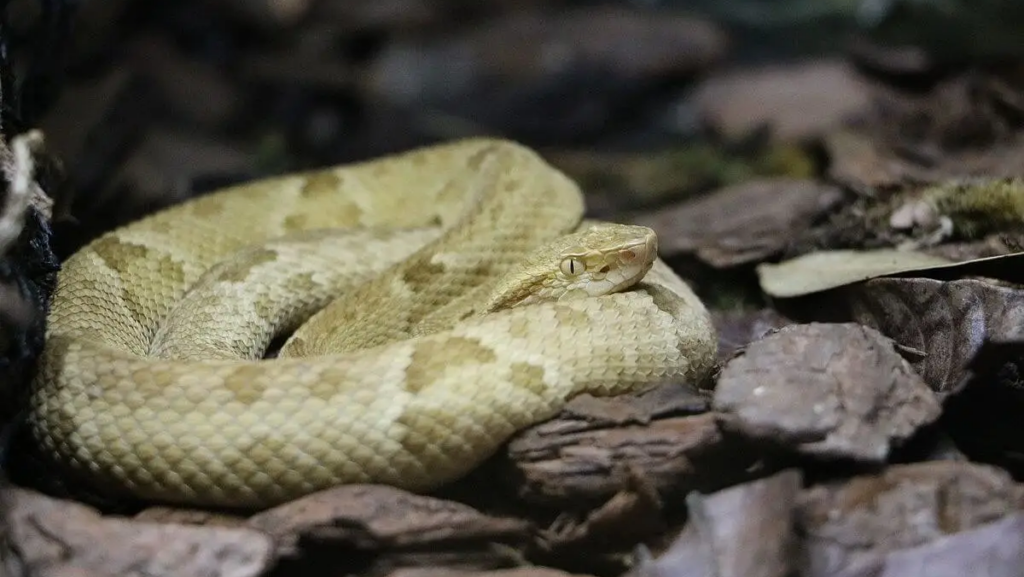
(824, 270)
(948, 320)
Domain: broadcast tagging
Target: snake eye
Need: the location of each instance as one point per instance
(572, 267)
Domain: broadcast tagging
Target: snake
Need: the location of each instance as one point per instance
(432, 302)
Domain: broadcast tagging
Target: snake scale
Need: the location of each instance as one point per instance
(439, 300)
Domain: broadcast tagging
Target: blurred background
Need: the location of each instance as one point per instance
(644, 101)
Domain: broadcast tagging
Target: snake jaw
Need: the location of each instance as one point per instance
(625, 266)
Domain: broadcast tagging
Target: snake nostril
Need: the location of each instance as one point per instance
(605, 268)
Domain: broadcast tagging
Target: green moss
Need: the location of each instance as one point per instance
(978, 207)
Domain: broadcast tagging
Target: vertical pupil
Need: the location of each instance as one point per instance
(572, 266)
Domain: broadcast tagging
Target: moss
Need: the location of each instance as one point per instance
(977, 207)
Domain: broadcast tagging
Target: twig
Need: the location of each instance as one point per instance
(19, 193)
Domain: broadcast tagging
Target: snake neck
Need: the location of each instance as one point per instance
(496, 231)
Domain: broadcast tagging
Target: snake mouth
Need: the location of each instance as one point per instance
(644, 252)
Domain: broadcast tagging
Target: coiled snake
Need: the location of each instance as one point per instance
(474, 302)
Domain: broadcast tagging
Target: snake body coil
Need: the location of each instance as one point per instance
(151, 383)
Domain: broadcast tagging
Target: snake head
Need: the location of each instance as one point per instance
(601, 259)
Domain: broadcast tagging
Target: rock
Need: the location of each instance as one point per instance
(905, 517)
(992, 550)
(827, 390)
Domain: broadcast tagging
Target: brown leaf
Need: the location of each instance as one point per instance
(854, 524)
(796, 101)
(741, 223)
(743, 531)
(54, 537)
(381, 517)
(839, 390)
(947, 319)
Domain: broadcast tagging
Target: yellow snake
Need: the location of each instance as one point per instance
(465, 300)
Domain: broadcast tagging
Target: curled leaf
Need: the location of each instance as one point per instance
(949, 320)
